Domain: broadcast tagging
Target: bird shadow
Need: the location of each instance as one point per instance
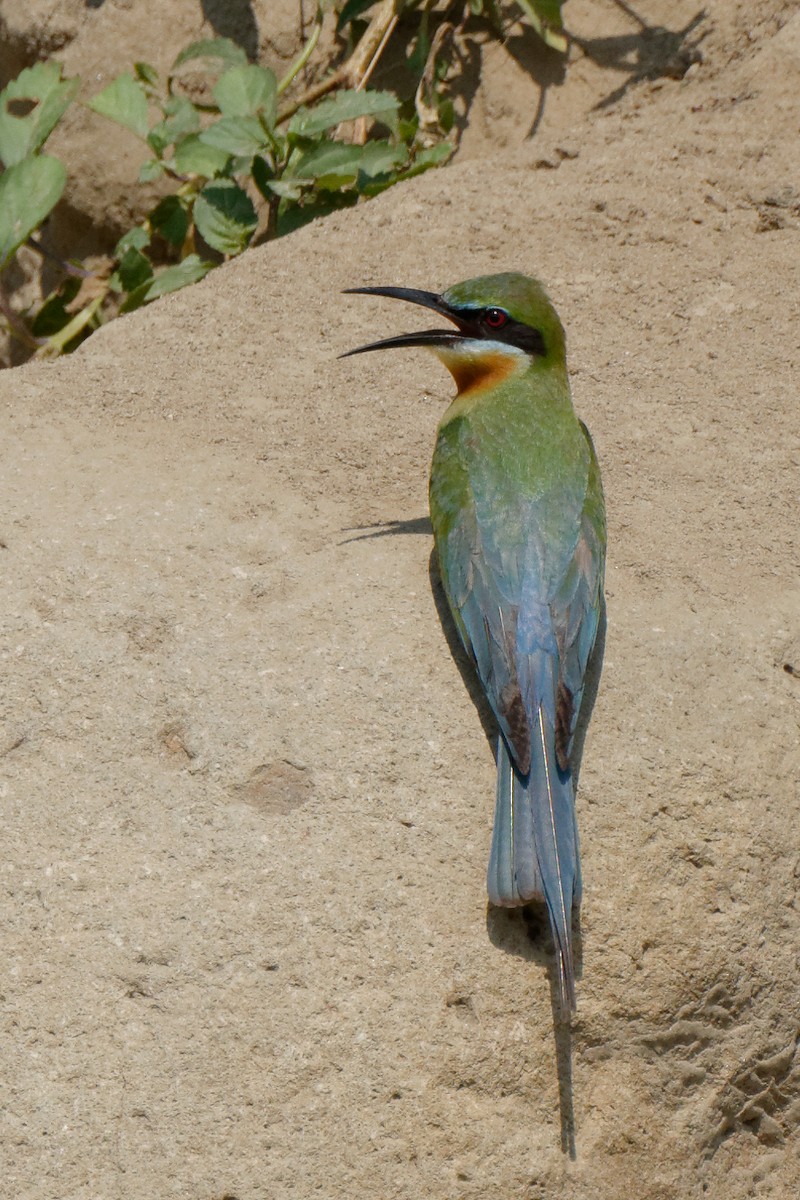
(546, 67)
(525, 933)
(649, 52)
(652, 52)
(366, 533)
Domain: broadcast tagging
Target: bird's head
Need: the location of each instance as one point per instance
(504, 323)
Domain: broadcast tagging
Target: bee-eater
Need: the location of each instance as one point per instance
(519, 524)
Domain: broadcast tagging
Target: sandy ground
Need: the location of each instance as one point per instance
(246, 796)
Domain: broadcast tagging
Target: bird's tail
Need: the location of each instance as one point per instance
(534, 853)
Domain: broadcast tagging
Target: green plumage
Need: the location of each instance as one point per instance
(518, 518)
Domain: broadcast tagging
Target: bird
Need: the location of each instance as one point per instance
(518, 517)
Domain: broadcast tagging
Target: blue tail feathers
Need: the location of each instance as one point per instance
(535, 854)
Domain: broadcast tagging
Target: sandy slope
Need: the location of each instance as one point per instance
(246, 797)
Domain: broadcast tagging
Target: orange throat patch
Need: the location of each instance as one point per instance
(476, 370)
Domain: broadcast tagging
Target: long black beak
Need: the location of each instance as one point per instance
(426, 337)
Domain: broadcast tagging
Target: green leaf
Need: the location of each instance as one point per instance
(294, 216)
(407, 128)
(344, 106)
(235, 135)
(288, 189)
(225, 216)
(181, 118)
(246, 92)
(124, 101)
(170, 219)
(53, 314)
(136, 238)
(380, 156)
(334, 165)
(433, 156)
(28, 191)
(545, 17)
(222, 49)
(146, 74)
(189, 271)
(193, 157)
(418, 57)
(134, 269)
(446, 112)
(328, 159)
(150, 170)
(241, 164)
(181, 115)
(157, 139)
(423, 160)
(30, 108)
(351, 10)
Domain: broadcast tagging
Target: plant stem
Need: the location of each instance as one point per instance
(302, 58)
(374, 60)
(351, 72)
(67, 267)
(55, 344)
(315, 92)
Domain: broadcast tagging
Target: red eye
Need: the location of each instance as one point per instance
(495, 318)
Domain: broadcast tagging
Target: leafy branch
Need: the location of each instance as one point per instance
(249, 157)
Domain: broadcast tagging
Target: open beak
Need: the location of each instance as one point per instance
(433, 338)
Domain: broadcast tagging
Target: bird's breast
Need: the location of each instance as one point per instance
(514, 475)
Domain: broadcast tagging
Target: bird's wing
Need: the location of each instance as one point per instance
(576, 607)
(505, 618)
(530, 641)
(485, 605)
